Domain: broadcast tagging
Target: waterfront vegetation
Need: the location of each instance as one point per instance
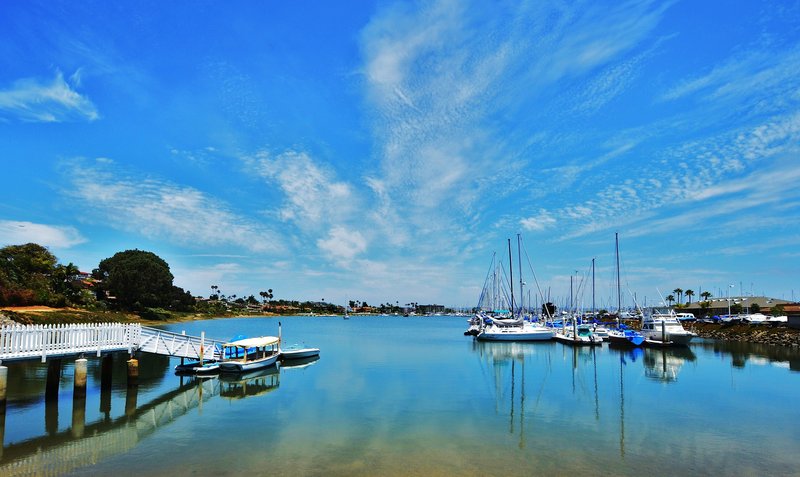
(133, 285)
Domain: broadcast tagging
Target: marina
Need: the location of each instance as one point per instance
(390, 387)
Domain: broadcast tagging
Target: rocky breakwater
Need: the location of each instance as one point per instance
(764, 334)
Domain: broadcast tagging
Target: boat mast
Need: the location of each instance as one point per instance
(519, 267)
(619, 288)
(594, 310)
(511, 277)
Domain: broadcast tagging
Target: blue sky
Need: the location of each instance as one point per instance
(382, 151)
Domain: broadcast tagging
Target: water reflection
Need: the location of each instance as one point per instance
(253, 383)
(664, 364)
(754, 353)
(90, 436)
(507, 361)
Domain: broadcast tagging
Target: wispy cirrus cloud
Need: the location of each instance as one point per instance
(767, 72)
(157, 208)
(13, 232)
(450, 84)
(36, 100)
(312, 194)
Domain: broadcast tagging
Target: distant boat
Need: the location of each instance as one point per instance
(250, 354)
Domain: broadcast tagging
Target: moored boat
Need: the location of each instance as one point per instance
(625, 337)
(661, 329)
(199, 368)
(296, 351)
(525, 332)
(250, 354)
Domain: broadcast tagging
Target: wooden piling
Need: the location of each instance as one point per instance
(3, 385)
(53, 380)
(79, 390)
(133, 372)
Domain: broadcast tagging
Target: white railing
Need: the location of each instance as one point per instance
(168, 343)
(32, 341)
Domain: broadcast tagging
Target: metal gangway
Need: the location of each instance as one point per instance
(23, 342)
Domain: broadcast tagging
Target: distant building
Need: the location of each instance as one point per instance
(793, 314)
(719, 306)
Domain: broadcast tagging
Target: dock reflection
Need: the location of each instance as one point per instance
(60, 451)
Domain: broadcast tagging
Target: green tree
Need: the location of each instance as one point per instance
(136, 279)
(755, 308)
(689, 294)
(670, 299)
(31, 275)
(679, 293)
(777, 310)
(706, 295)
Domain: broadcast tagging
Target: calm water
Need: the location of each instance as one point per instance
(413, 396)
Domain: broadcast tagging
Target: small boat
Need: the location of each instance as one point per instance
(298, 352)
(625, 337)
(199, 368)
(294, 351)
(250, 354)
(202, 367)
(580, 335)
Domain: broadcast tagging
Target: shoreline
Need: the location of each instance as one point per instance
(41, 315)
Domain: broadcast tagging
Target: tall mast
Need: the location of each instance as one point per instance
(619, 288)
(594, 310)
(519, 267)
(511, 277)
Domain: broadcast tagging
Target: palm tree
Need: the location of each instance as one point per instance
(689, 294)
(679, 292)
(670, 299)
(706, 295)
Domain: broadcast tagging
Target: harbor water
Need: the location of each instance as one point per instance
(414, 396)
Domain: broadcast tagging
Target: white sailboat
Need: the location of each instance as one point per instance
(513, 329)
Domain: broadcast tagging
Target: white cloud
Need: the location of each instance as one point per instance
(56, 236)
(34, 100)
(543, 221)
(313, 195)
(159, 209)
(342, 244)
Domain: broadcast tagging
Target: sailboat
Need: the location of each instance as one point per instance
(622, 336)
(578, 334)
(515, 329)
